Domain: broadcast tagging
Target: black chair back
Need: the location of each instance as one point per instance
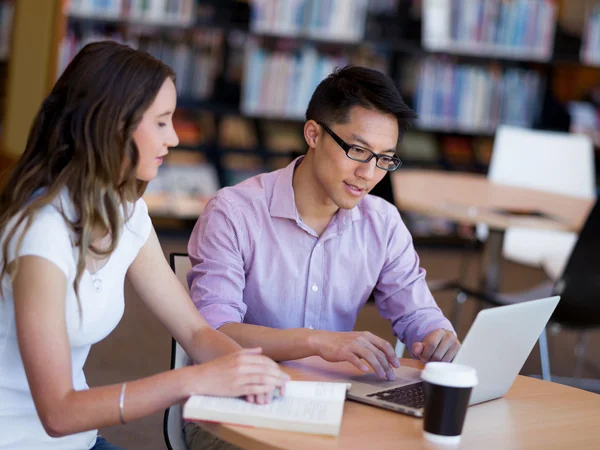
(579, 286)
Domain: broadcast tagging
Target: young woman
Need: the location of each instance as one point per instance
(72, 227)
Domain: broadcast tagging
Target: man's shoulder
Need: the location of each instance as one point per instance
(247, 194)
(376, 207)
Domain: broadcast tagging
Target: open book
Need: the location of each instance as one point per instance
(307, 407)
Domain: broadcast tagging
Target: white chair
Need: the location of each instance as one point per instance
(550, 161)
(173, 422)
(399, 348)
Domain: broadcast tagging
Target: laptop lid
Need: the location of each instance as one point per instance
(497, 345)
(499, 342)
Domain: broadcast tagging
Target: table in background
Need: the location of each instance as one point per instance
(471, 199)
(534, 414)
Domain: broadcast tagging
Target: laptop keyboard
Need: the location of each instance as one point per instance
(411, 395)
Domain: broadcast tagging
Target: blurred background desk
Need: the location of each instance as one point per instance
(473, 199)
(534, 414)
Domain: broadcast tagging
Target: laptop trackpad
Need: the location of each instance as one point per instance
(404, 375)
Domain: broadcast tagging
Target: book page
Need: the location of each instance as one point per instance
(292, 409)
(316, 389)
(319, 404)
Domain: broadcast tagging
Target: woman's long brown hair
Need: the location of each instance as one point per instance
(81, 140)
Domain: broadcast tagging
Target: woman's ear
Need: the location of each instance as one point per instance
(312, 132)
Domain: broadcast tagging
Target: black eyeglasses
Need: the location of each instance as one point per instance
(360, 154)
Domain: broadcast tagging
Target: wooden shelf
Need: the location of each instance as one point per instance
(208, 106)
(154, 24)
(214, 148)
(479, 52)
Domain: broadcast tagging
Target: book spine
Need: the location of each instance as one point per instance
(436, 24)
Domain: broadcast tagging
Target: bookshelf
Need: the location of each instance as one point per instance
(236, 61)
(6, 16)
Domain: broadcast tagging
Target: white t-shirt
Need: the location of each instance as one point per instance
(49, 237)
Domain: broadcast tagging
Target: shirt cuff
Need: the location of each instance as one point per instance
(218, 315)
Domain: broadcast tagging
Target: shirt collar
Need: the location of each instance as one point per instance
(283, 202)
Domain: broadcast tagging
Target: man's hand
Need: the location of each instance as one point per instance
(439, 345)
(354, 347)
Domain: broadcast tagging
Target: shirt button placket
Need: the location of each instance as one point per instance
(313, 298)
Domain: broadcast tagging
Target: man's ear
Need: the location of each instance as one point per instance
(312, 133)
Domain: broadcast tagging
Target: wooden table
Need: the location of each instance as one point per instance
(473, 199)
(534, 414)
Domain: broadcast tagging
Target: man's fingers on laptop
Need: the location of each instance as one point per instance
(441, 350)
(452, 349)
(382, 358)
(355, 360)
(448, 347)
(362, 353)
(430, 344)
(380, 367)
(385, 347)
(417, 349)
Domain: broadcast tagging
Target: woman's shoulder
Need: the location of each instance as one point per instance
(45, 233)
(138, 220)
(48, 220)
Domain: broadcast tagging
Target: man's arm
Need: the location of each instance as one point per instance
(295, 343)
(402, 296)
(280, 345)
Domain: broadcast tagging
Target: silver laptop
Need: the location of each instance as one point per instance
(497, 346)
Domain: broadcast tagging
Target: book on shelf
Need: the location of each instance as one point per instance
(312, 407)
(194, 129)
(590, 44)
(482, 150)
(182, 186)
(280, 83)
(6, 16)
(241, 166)
(418, 147)
(237, 132)
(457, 151)
(330, 20)
(475, 98)
(283, 137)
(194, 55)
(174, 12)
(517, 29)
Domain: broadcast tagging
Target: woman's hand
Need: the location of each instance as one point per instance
(243, 373)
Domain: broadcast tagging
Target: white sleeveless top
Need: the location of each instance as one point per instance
(49, 237)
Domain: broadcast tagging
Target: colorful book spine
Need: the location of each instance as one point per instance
(327, 20)
(519, 29)
(470, 98)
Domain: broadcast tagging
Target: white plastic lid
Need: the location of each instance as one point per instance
(449, 374)
(439, 439)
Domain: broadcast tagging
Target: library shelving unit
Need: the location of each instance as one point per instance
(6, 13)
(246, 69)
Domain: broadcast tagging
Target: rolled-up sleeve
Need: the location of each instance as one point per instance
(401, 294)
(217, 277)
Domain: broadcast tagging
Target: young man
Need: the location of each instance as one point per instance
(285, 260)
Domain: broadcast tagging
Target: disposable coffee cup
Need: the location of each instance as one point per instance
(447, 388)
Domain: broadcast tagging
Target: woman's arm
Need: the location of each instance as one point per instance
(45, 351)
(157, 285)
